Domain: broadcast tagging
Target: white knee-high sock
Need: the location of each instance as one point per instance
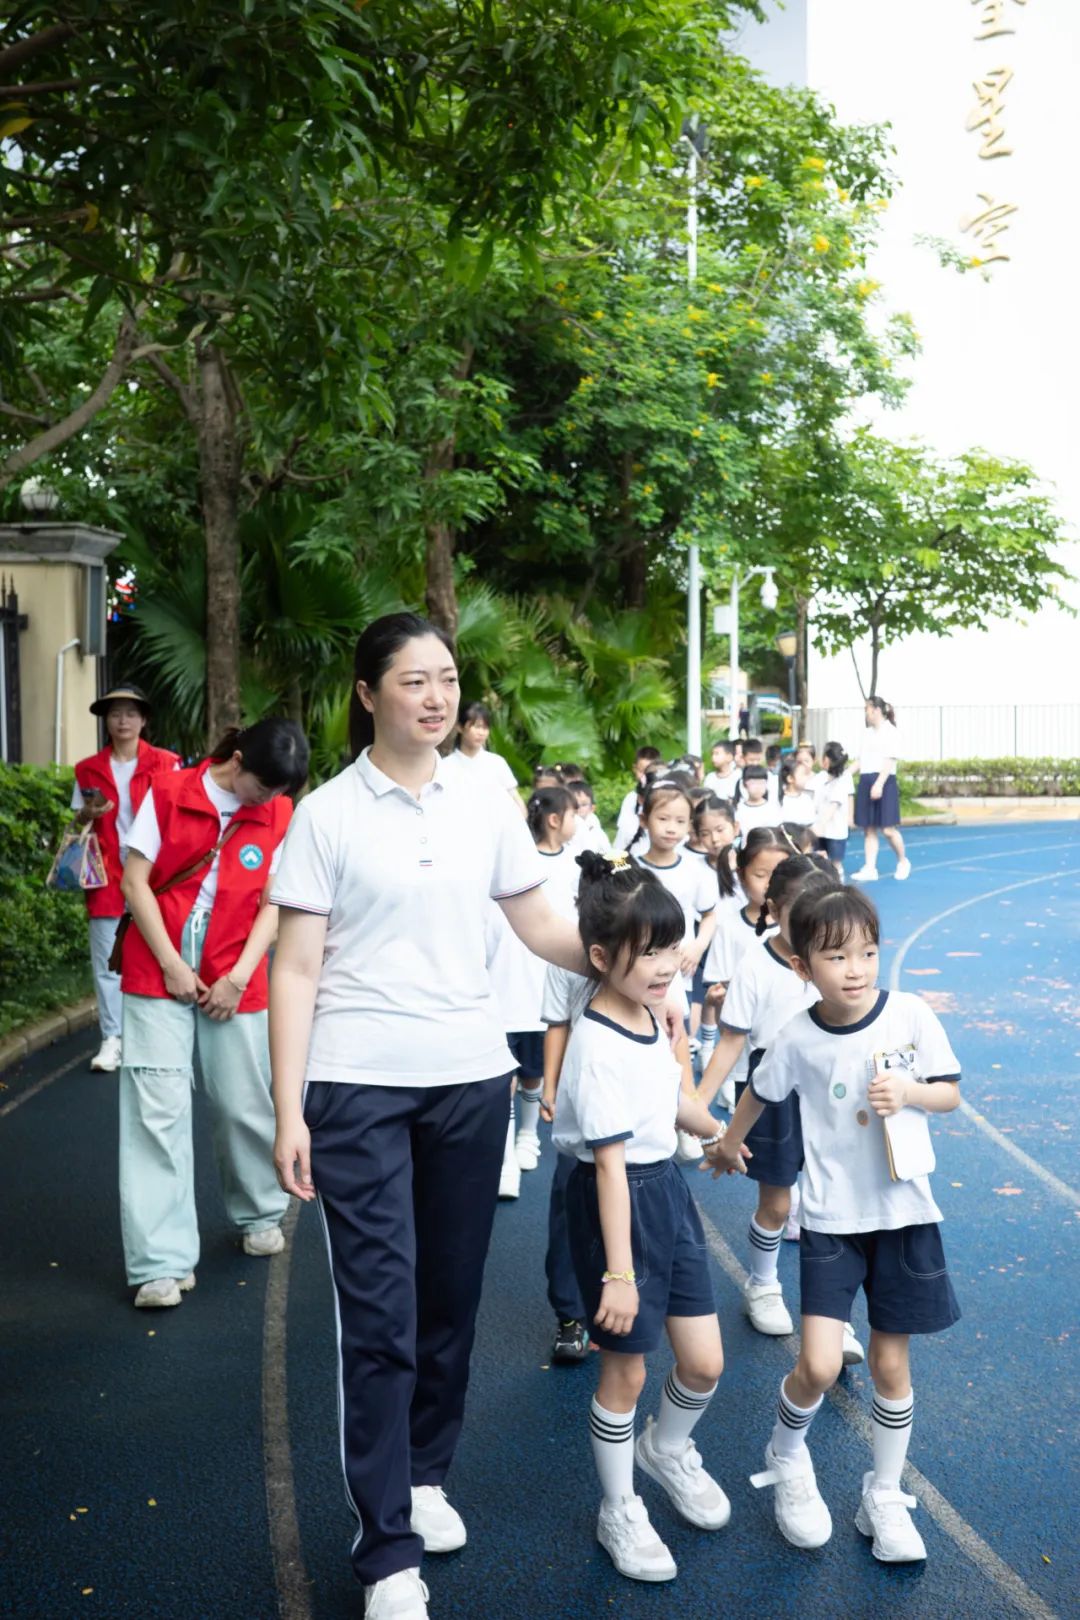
(792, 1424)
(508, 1150)
(612, 1435)
(680, 1409)
(529, 1106)
(890, 1422)
(764, 1252)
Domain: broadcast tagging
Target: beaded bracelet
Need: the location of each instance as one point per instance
(620, 1276)
(711, 1141)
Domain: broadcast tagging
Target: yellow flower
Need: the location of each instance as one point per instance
(693, 314)
(711, 379)
(696, 434)
(974, 263)
(842, 195)
(752, 181)
(597, 314)
(821, 243)
(815, 163)
(688, 331)
(715, 286)
(646, 489)
(766, 377)
(863, 289)
(586, 382)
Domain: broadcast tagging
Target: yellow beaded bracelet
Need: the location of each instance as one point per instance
(620, 1276)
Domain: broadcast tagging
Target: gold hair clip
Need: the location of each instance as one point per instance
(619, 861)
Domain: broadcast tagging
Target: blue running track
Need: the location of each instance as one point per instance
(156, 1467)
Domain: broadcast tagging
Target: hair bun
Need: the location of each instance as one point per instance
(594, 866)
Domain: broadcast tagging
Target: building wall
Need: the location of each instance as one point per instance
(50, 594)
(1000, 354)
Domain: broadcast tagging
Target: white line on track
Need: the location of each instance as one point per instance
(290, 1576)
(1061, 1189)
(940, 1509)
(39, 1085)
(1000, 855)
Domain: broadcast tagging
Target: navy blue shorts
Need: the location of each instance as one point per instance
(527, 1046)
(776, 1139)
(903, 1274)
(668, 1247)
(834, 848)
(697, 994)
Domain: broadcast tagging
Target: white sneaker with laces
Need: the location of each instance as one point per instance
(510, 1179)
(163, 1291)
(884, 1513)
(440, 1526)
(267, 1240)
(694, 1492)
(726, 1094)
(865, 874)
(527, 1150)
(624, 1532)
(801, 1513)
(689, 1148)
(399, 1597)
(854, 1354)
(106, 1059)
(903, 872)
(764, 1305)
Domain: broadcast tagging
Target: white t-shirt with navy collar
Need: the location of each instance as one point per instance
(764, 994)
(617, 1087)
(735, 935)
(845, 1184)
(748, 816)
(404, 996)
(517, 976)
(693, 883)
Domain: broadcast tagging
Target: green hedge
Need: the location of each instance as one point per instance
(44, 950)
(993, 778)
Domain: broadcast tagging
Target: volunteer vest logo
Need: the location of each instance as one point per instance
(251, 857)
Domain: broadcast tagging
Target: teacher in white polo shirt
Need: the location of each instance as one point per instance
(391, 1079)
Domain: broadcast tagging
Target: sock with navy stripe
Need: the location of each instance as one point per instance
(680, 1409)
(792, 1424)
(528, 1097)
(764, 1252)
(612, 1435)
(890, 1423)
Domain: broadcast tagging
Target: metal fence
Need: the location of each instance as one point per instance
(963, 731)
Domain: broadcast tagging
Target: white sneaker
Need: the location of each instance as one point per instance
(764, 1305)
(440, 1526)
(267, 1240)
(399, 1597)
(689, 1148)
(884, 1513)
(624, 1531)
(510, 1179)
(903, 872)
(527, 1150)
(801, 1514)
(163, 1291)
(792, 1230)
(694, 1492)
(865, 874)
(854, 1354)
(107, 1058)
(726, 1094)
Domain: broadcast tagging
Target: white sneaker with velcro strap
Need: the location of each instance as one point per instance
(885, 1514)
(694, 1492)
(801, 1514)
(764, 1304)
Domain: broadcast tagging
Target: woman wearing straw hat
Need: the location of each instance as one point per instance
(109, 788)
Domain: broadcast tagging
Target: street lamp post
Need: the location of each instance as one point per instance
(726, 622)
(693, 137)
(786, 643)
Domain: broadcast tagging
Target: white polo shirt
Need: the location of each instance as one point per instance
(616, 1087)
(764, 995)
(491, 769)
(404, 996)
(749, 816)
(798, 808)
(845, 1183)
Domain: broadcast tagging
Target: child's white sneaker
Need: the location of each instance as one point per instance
(865, 874)
(884, 1513)
(903, 872)
(854, 1354)
(694, 1492)
(801, 1514)
(399, 1597)
(439, 1526)
(527, 1150)
(624, 1532)
(726, 1094)
(689, 1148)
(510, 1179)
(764, 1303)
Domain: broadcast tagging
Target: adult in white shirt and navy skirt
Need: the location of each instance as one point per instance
(392, 1079)
(877, 798)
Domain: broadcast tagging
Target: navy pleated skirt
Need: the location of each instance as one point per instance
(883, 812)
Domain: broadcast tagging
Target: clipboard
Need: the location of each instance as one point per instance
(908, 1143)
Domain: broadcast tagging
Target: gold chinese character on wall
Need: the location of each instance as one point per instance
(992, 15)
(986, 115)
(987, 226)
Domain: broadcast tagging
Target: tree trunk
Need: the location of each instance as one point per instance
(632, 551)
(441, 595)
(802, 678)
(875, 653)
(220, 462)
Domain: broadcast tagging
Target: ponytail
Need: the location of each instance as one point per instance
(792, 877)
(545, 802)
(274, 751)
(883, 708)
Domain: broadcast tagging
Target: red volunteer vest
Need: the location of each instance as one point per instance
(95, 772)
(189, 828)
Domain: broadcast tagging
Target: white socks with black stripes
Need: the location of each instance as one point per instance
(612, 1435)
(792, 1424)
(890, 1424)
(680, 1409)
(764, 1253)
